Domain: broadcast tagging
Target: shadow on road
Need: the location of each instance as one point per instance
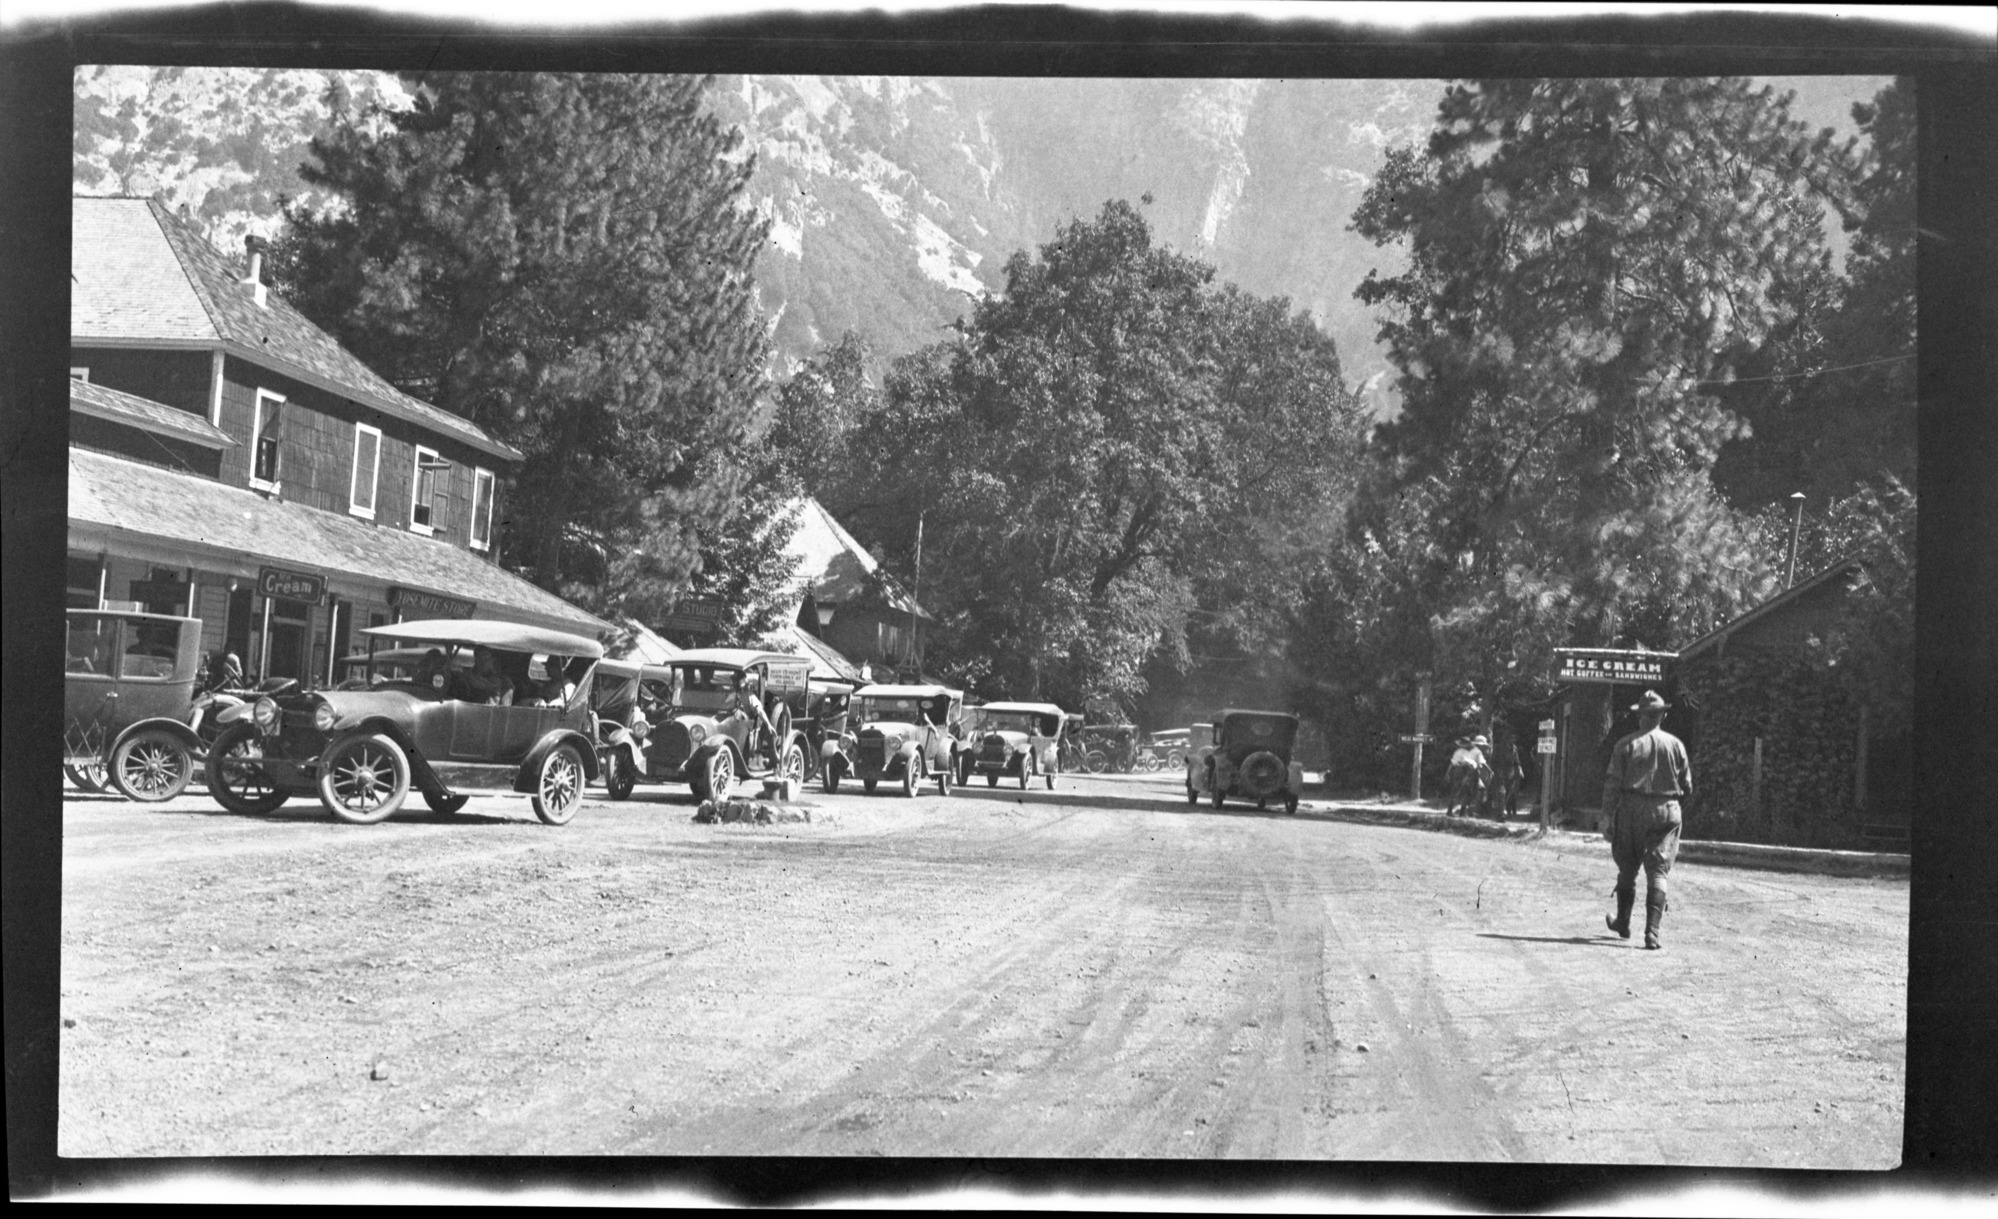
(1596, 941)
(299, 810)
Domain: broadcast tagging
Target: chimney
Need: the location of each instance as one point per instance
(255, 246)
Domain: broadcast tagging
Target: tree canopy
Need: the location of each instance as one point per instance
(564, 260)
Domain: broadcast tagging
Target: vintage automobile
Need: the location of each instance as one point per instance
(1166, 750)
(365, 670)
(908, 733)
(1250, 760)
(710, 716)
(128, 692)
(361, 751)
(1019, 739)
(1110, 747)
(827, 703)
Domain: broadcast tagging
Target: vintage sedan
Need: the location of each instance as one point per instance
(1017, 739)
(712, 716)
(905, 733)
(128, 689)
(1251, 760)
(362, 751)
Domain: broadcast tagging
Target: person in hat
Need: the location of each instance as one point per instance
(1648, 776)
(1469, 774)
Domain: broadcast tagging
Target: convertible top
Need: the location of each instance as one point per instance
(1035, 708)
(491, 633)
(883, 691)
(736, 658)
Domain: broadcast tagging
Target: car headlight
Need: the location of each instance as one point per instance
(323, 717)
(640, 728)
(265, 713)
(697, 733)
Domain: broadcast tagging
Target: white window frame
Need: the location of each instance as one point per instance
(480, 534)
(256, 443)
(374, 475)
(416, 473)
(78, 372)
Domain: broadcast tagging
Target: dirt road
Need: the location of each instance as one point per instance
(1098, 971)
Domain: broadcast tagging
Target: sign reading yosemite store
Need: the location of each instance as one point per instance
(415, 603)
(1620, 666)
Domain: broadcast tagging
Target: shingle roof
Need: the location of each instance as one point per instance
(121, 407)
(834, 566)
(827, 661)
(110, 493)
(140, 274)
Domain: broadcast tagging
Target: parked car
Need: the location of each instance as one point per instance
(362, 751)
(712, 716)
(1250, 760)
(1110, 747)
(1167, 750)
(128, 692)
(827, 703)
(904, 732)
(1019, 739)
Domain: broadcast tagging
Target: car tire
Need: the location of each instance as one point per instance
(943, 779)
(1192, 796)
(1290, 805)
(619, 776)
(912, 776)
(868, 785)
(1051, 775)
(558, 786)
(446, 803)
(363, 778)
(829, 778)
(151, 766)
(1026, 771)
(1218, 796)
(1096, 761)
(991, 780)
(235, 773)
(718, 775)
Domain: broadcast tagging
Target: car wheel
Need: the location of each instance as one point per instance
(363, 778)
(446, 803)
(1218, 796)
(912, 775)
(719, 775)
(558, 789)
(1096, 761)
(991, 780)
(619, 775)
(943, 779)
(1051, 775)
(868, 785)
(1026, 771)
(1261, 805)
(1192, 796)
(964, 771)
(235, 772)
(151, 766)
(830, 774)
(793, 765)
(1290, 804)
(88, 777)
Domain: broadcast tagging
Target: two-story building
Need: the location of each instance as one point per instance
(230, 460)
(848, 609)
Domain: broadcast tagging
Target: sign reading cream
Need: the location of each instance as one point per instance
(1629, 667)
(290, 585)
(415, 603)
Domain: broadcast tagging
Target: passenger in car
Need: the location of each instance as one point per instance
(485, 683)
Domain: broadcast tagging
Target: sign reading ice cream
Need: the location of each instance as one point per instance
(1611, 666)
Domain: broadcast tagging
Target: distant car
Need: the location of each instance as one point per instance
(362, 751)
(712, 716)
(827, 705)
(1165, 750)
(128, 688)
(1016, 739)
(1251, 760)
(906, 733)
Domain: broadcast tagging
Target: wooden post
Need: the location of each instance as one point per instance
(1755, 779)
(1859, 768)
(1421, 728)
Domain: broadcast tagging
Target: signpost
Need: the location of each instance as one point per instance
(1546, 769)
(1419, 738)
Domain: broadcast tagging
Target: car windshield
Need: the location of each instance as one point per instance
(901, 710)
(1016, 721)
(705, 687)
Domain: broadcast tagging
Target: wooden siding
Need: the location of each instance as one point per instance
(177, 378)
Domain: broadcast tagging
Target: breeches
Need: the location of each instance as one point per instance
(1646, 835)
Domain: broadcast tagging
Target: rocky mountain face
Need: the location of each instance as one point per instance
(894, 200)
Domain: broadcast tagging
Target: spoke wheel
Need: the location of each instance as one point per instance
(152, 766)
(943, 779)
(1052, 772)
(558, 789)
(719, 776)
(830, 775)
(235, 772)
(912, 774)
(792, 766)
(619, 775)
(364, 778)
(90, 776)
(1096, 761)
(1026, 770)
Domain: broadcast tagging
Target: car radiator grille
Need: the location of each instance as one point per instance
(672, 746)
(872, 752)
(994, 749)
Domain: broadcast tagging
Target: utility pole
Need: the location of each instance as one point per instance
(1420, 735)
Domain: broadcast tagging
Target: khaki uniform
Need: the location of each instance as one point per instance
(1648, 775)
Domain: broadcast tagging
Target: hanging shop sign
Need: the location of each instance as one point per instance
(291, 585)
(415, 603)
(694, 615)
(1627, 667)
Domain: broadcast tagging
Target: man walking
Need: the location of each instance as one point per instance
(1648, 776)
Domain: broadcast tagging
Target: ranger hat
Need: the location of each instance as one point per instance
(1651, 702)
(1481, 741)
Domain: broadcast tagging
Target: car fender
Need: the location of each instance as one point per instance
(529, 774)
(163, 723)
(234, 713)
(628, 745)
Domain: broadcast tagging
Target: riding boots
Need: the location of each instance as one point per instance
(1654, 913)
(1625, 899)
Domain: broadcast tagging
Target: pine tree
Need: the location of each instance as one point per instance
(564, 260)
